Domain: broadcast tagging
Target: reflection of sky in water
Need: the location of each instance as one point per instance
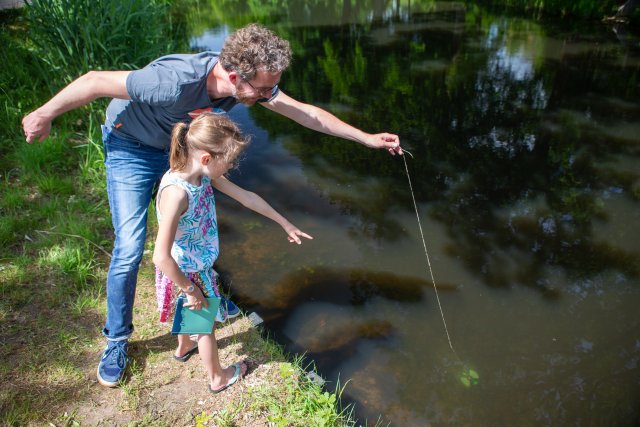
(505, 66)
(520, 67)
(211, 39)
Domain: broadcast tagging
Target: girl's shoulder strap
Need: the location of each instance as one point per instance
(170, 178)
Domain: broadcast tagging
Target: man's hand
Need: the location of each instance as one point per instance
(36, 126)
(81, 91)
(387, 141)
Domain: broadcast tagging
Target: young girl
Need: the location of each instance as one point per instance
(187, 242)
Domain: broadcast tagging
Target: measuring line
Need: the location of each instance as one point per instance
(415, 205)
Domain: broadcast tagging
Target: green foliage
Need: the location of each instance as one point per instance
(92, 163)
(19, 83)
(300, 401)
(53, 214)
(34, 162)
(71, 263)
(72, 37)
(202, 419)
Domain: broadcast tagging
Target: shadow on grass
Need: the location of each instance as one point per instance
(45, 357)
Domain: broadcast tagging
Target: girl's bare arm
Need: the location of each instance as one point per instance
(256, 203)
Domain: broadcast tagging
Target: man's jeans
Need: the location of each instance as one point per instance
(133, 170)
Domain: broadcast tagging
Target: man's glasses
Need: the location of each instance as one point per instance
(264, 91)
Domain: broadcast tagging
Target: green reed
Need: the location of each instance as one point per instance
(54, 216)
(72, 37)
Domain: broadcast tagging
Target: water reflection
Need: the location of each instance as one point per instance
(526, 152)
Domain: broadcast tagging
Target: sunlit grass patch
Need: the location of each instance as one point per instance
(67, 420)
(89, 299)
(294, 399)
(73, 343)
(155, 356)
(63, 372)
(228, 416)
(74, 263)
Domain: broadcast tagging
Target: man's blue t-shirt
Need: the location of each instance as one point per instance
(169, 90)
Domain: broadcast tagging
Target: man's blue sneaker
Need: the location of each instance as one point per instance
(232, 309)
(113, 363)
(227, 310)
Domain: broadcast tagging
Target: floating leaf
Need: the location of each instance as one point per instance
(469, 377)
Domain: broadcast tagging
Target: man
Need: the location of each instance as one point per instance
(146, 104)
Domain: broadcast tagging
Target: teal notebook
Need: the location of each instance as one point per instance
(187, 321)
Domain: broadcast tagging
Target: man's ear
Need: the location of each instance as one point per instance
(233, 77)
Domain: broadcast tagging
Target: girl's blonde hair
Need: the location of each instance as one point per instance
(213, 133)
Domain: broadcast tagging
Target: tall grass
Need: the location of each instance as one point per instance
(72, 37)
(54, 215)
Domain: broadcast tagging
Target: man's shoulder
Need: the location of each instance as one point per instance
(190, 59)
(187, 69)
(170, 76)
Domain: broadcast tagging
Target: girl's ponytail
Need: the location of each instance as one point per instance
(213, 133)
(179, 147)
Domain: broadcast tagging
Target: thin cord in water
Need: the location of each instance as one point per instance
(435, 288)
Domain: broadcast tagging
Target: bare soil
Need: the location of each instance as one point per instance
(161, 391)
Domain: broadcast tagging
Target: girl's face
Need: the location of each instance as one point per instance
(215, 168)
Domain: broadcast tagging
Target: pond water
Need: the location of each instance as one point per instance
(525, 143)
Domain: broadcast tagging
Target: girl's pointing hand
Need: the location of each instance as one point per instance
(295, 234)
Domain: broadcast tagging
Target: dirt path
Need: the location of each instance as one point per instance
(160, 391)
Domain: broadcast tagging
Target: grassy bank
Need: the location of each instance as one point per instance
(55, 240)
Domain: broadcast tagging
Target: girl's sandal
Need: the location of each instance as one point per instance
(236, 375)
(187, 355)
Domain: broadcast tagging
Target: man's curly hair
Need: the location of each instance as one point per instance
(255, 48)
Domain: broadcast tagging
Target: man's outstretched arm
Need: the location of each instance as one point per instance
(83, 90)
(322, 121)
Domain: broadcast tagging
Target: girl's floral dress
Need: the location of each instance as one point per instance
(195, 247)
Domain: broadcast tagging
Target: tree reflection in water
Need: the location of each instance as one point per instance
(526, 151)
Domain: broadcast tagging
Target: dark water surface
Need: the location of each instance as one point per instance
(525, 138)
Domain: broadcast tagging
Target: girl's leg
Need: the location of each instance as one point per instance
(208, 349)
(185, 345)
